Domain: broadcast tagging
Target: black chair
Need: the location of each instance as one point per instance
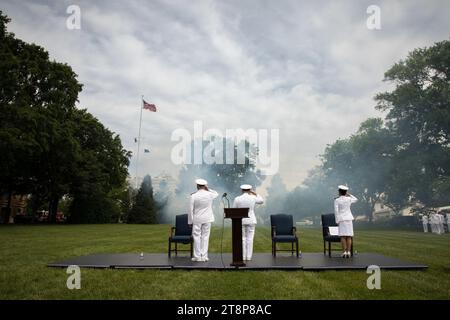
(283, 231)
(329, 220)
(181, 233)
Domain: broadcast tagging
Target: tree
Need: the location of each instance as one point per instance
(276, 197)
(419, 116)
(313, 198)
(144, 210)
(223, 177)
(49, 147)
(363, 161)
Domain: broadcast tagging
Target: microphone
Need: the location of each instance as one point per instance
(225, 196)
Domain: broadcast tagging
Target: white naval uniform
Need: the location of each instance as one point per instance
(201, 216)
(433, 223)
(441, 222)
(343, 215)
(448, 222)
(248, 224)
(425, 223)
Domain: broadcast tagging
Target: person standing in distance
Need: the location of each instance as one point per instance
(200, 217)
(344, 218)
(248, 199)
(425, 223)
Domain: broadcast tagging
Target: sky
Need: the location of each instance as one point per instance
(307, 68)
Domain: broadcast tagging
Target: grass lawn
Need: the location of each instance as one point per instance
(25, 251)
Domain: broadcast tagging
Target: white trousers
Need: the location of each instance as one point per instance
(200, 233)
(248, 233)
(441, 228)
(425, 227)
(435, 227)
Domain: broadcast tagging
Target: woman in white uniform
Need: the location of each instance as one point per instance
(344, 218)
(248, 199)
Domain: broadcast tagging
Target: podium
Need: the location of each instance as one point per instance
(236, 215)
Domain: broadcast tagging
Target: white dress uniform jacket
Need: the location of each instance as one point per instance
(248, 201)
(201, 207)
(342, 210)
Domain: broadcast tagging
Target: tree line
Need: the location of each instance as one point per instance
(400, 161)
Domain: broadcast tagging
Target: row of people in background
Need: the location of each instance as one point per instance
(201, 216)
(436, 222)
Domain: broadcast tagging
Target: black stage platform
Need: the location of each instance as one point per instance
(260, 261)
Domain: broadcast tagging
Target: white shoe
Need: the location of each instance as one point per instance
(206, 259)
(344, 255)
(196, 259)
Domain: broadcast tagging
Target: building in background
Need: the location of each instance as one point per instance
(18, 207)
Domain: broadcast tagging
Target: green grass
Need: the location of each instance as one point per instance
(25, 251)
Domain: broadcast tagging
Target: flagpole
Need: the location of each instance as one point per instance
(139, 140)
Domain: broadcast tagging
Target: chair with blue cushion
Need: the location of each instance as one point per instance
(181, 233)
(329, 220)
(283, 231)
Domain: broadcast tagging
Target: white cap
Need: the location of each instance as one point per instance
(201, 182)
(246, 187)
(342, 187)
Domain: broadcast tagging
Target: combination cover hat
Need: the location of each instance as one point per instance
(246, 187)
(201, 182)
(342, 187)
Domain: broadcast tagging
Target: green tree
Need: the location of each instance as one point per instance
(49, 147)
(222, 176)
(419, 116)
(36, 96)
(363, 162)
(144, 208)
(313, 198)
(276, 197)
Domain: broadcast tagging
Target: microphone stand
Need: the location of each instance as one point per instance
(224, 196)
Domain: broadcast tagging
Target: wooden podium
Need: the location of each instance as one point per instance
(236, 215)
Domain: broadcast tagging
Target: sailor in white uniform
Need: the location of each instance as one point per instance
(425, 223)
(441, 221)
(448, 222)
(248, 199)
(434, 223)
(200, 217)
(344, 218)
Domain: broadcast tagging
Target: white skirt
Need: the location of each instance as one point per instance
(346, 228)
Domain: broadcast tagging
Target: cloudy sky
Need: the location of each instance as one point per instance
(307, 68)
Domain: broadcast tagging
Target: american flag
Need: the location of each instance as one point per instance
(149, 106)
